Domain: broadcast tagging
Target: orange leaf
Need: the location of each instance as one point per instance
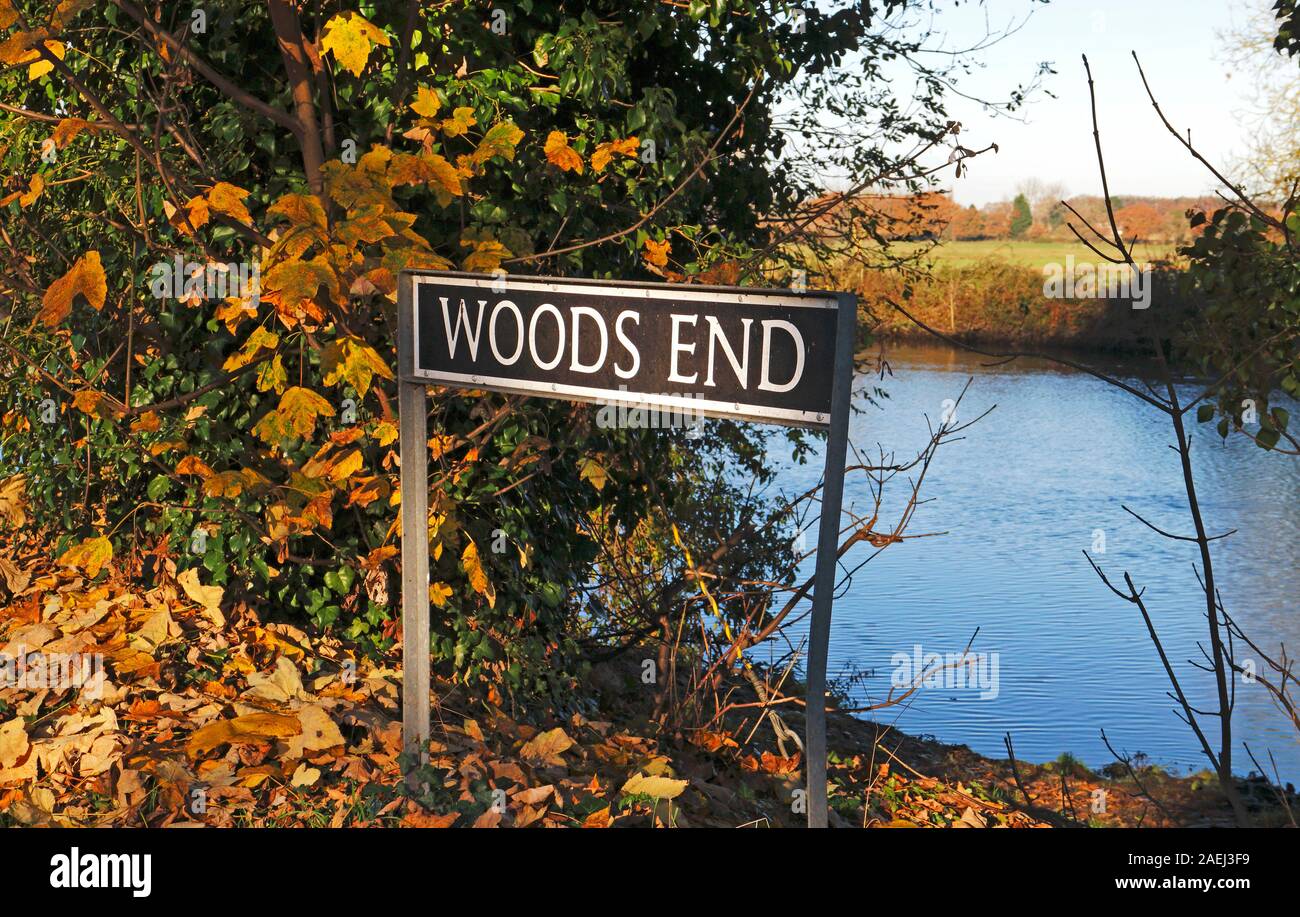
(605, 152)
(85, 278)
(656, 253)
(560, 154)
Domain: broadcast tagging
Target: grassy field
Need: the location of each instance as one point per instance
(1026, 253)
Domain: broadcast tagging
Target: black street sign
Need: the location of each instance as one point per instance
(775, 356)
(754, 355)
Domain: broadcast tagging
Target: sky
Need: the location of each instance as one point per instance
(1180, 47)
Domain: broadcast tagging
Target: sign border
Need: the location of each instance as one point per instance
(727, 410)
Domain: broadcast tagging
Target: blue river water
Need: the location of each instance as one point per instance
(1030, 488)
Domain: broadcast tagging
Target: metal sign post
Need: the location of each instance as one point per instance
(773, 356)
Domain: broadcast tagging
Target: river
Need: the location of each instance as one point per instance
(1032, 486)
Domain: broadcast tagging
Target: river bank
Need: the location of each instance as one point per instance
(1007, 304)
(204, 714)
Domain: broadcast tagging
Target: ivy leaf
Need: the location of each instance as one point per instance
(349, 37)
(86, 278)
(560, 154)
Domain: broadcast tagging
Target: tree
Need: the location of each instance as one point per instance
(1021, 218)
(175, 414)
(1271, 119)
(1140, 221)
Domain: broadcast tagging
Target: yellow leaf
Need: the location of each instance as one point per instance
(500, 140)
(427, 102)
(66, 11)
(304, 775)
(13, 500)
(85, 278)
(89, 556)
(272, 376)
(605, 152)
(478, 580)
(384, 432)
(224, 197)
(296, 415)
(42, 66)
(352, 360)
(347, 466)
(34, 189)
(148, 422)
(14, 743)
(594, 472)
(207, 596)
(299, 209)
(439, 593)
(658, 787)
(259, 340)
(349, 37)
(444, 178)
(547, 747)
(87, 401)
(656, 253)
(461, 120)
(486, 257)
(67, 130)
(560, 154)
(193, 465)
(254, 728)
(18, 47)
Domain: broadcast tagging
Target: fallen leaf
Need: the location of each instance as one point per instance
(658, 787)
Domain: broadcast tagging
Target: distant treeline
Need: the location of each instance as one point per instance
(1001, 303)
(1035, 215)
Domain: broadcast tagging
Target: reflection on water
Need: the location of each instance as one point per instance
(1034, 485)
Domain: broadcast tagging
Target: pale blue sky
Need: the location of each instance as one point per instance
(1180, 49)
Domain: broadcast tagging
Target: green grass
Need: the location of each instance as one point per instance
(1023, 252)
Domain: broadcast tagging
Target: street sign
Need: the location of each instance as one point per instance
(725, 353)
(773, 356)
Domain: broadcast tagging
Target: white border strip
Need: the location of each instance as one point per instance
(685, 294)
(624, 398)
